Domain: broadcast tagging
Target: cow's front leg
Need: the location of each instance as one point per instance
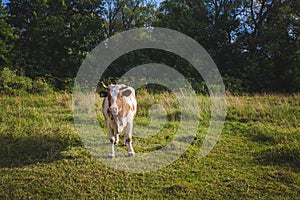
(125, 138)
(125, 133)
(117, 139)
(112, 143)
(128, 134)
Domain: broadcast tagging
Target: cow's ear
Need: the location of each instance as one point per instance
(126, 93)
(103, 94)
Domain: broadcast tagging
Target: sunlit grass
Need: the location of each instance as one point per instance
(257, 156)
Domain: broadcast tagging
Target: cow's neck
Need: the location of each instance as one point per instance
(118, 121)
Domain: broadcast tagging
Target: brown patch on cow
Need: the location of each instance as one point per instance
(103, 103)
(110, 114)
(125, 110)
(133, 109)
(119, 102)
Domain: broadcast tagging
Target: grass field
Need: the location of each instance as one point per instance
(257, 156)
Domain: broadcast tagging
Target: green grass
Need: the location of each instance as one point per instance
(257, 156)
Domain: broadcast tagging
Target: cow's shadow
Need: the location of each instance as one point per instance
(26, 150)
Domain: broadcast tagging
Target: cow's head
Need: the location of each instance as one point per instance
(115, 95)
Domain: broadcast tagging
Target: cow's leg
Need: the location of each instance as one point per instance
(125, 137)
(112, 143)
(128, 134)
(125, 133)
(117, 139)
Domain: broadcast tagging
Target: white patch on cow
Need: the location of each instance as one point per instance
(120, 123)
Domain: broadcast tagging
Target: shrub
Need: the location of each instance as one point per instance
(10, 83)
(234, 85)
(40, 86)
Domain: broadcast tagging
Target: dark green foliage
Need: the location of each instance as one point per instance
(7, 38)
(272, 45)
(255, 44)
(40, 86)
(54, 35)
(12, 84)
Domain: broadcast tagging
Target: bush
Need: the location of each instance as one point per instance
(234, 85)
(41, 86)
(12, 84)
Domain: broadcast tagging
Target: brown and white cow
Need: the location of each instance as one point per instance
(119, 109)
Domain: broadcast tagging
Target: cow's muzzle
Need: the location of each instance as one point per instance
(113, 110)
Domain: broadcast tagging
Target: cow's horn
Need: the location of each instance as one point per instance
(105, 86)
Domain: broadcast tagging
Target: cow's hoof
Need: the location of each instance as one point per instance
(131, 154)
(111, 155)
(125, 144)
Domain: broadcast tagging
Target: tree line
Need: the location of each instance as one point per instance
(254, 43)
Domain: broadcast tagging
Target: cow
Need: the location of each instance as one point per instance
(119, 109)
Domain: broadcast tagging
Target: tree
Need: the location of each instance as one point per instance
(188, 17)
(213, 24)
(224, 26)
(122, 15)
(7, 38)
(85, 24)
(255, 42)
(271, 45)
(55, 35)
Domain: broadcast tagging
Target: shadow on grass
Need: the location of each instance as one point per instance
(277, 147)
(281, 155)
(21, 151)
